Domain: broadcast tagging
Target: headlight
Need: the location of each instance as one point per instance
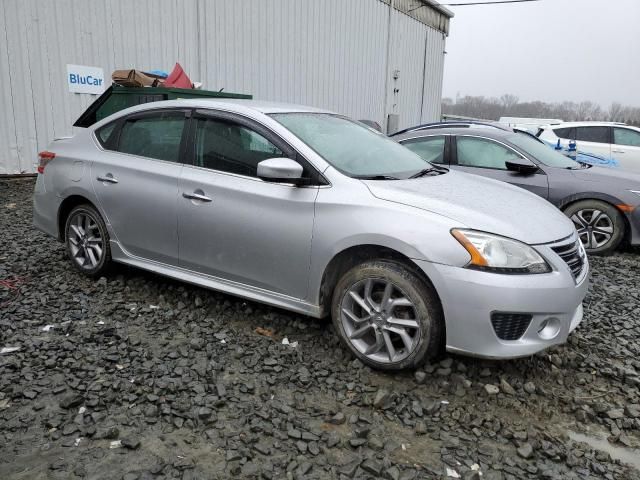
(499, 254)
(637, 192)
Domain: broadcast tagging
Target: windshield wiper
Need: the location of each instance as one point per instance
(426, 171)
(376, 177)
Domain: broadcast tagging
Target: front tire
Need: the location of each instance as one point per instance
(87, 241)
(387, 315)
(600, 225)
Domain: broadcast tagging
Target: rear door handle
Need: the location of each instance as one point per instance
(108, 179)
(617, 151)
(196, 196)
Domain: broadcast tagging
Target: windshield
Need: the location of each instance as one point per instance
(541, 151)
(352, 148)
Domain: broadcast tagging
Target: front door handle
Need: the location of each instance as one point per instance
(196, 196)
(107, 178)
(617, 151)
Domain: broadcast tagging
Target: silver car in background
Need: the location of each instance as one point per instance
(309, 211)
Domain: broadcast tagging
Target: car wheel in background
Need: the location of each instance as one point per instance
(600, 225)
(387, 315)
(87, 240)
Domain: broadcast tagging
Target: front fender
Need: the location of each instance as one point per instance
(345, 223)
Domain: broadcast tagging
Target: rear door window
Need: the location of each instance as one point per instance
(155, 136)
(103, 134)
(593, 134)
(565, 133)
(626, 136)
(430, 149)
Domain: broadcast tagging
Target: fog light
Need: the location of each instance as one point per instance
(549, 328)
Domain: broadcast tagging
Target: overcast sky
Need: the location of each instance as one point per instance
(549, 50)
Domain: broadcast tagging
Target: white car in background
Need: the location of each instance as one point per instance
(617, 141)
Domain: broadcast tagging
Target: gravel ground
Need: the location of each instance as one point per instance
(142, 377)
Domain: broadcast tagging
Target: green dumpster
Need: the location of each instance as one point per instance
(117, 98)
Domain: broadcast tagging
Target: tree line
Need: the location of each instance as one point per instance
(491, 108)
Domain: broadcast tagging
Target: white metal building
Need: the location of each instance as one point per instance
(364, 58)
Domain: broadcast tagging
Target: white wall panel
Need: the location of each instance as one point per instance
(407, 58)
(329, 53)
(9, 157)
(42, 37)
(433, 73)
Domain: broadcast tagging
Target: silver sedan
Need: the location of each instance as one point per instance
(309, 211)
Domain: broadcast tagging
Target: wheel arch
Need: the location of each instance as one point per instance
(353, 255)
(65, 208)
(578, 197)
(601, 197)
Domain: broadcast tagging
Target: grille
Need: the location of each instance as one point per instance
(571, 253)
(510, 326)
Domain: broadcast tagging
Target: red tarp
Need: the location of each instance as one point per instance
(177, 78)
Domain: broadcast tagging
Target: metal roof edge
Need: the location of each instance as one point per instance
(436, 6)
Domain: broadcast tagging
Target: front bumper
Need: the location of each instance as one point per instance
(469, 297)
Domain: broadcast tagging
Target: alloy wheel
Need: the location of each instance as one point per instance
(85, 241)
(380, 321)
(594, 226)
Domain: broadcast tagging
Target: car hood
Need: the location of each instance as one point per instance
(480, 204)
(616, 179)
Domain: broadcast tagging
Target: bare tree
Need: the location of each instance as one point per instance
(490, 108)
(509, 101)
(616, 112)
(589, 111)
(447, 103)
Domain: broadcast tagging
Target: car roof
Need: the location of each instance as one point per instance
(229, 104)
(478, 130)
(256, 105)
(451, 124)
(584, 124)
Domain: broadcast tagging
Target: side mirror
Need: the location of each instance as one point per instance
(281, 170)
(521, 165)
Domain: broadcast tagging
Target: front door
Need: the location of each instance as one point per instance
(235, 226)
(486, 157)
(136, 181)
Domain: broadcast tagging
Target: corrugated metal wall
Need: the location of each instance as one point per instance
(433, 70)
(331, 54)
(328, 54)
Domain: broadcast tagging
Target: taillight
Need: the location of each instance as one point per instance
(45, 158)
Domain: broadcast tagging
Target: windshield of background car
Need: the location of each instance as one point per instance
(541, 151)
(352, 148)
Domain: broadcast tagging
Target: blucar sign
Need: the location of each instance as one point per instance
(82, 79)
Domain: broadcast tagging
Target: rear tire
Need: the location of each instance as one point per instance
(600, 225)
(387, 315)
(87, 241)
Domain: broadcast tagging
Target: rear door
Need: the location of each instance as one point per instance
(488, 157)
(595, 139)
(626, 148)
(136, 181)
(235, 226)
